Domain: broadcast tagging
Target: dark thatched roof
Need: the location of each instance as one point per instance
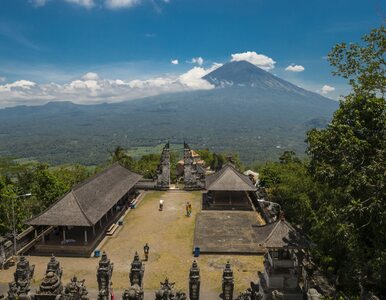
(281, 234)
(89, 201)
(229, 179)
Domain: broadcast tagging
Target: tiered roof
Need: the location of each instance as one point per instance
(229, 179)
(89, 201)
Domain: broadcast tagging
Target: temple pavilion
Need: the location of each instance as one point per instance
(80, 219)
(282, 276)
(228, 189)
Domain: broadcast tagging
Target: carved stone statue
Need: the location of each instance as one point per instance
(75, 290)
(135, 292)
(194, 282)
(104, 274)
(22, 280)
(227, 283)
(50, 287)
(251, 293)
(137, 270)
(54, 266)
(276, 295)
(166, 292)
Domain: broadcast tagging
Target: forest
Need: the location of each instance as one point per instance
(336, 194)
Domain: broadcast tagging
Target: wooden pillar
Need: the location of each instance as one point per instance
(36, 233)
(64, 234)
(93, 230)
(85, 235)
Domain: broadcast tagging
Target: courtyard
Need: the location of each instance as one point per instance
(169, 234)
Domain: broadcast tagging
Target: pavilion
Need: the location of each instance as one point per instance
(228, 189)
(80, 219)
(282, 261)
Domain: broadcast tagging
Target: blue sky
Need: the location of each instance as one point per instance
(134, 41)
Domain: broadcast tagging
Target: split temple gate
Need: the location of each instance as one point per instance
(79, 220)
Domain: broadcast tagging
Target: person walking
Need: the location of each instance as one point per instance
(190, 209)
(187, 209)
(146, 249)
(161, 205)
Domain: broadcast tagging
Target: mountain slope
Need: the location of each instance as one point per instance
(258, 116)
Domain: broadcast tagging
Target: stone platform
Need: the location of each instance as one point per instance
(227, 232)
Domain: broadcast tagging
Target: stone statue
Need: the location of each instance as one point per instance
(22, 280)
(227, 283)
(50, 287)
(276, 295)
(104, 274)
(75, 290)
(137, 270)
(54, 266)
(251, 293)
(135, 292)
(194, 282)
(313, 294)
(166, 292)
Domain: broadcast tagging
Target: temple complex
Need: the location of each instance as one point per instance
(78, 220)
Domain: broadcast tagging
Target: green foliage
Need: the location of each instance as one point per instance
(349, 157)
(363, 65)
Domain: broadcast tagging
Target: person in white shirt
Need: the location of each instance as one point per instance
(161, 205)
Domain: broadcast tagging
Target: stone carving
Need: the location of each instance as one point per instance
(194, 177)
(166, 292)
(137, 270)
(251, 293)
(49, 288)
(163, 170)
(276, 295)
(227, 283)
(194, 282)
(54, 266)
(75, 290)
(104, 274)
(313, 294)
(135, 292)
(20, 288)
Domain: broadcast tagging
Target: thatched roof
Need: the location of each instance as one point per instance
(281, 234)
(229, 179)
(89, 201)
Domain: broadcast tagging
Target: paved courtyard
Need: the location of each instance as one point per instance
(170, 236)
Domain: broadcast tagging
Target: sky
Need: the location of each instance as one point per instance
(94, 51)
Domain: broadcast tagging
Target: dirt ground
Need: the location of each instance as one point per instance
(169, 234)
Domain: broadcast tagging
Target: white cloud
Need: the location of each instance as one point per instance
(262, 61)
(84, 3)
(19, 84)
(326, 89)
(92, 88)
(295, 68)
(174, 61)
(116, 4)
(197, 60)
(38, 3)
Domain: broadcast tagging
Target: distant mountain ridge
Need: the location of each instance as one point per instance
(250, 111)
